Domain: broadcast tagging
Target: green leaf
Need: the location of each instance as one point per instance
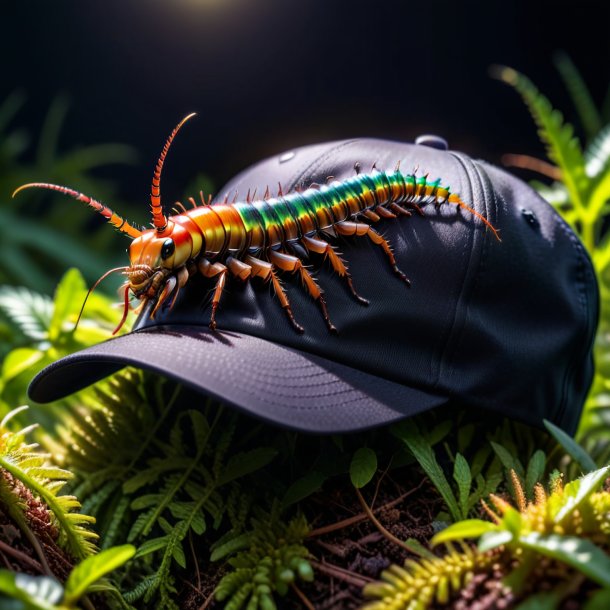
(93, 568)
(37, 592)
(20, 360)
(463, 478)
(535, 471)
(588, 114)
(245, 463)
(234, 544)
(578, 553)
(410, 434)
(507, 459)
(151, 546)
(178, 555)
(469, 528)
(571, 447)
(68, 300)
(31, 312)
(363, 467)
(492, 540)
(303, 487)
(597, 154)
(576, 492)
(417, 548)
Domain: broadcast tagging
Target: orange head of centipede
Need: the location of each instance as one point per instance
(157, 256)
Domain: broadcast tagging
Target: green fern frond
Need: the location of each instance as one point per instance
(30, 311)
(21, 462)
(597, 154)
(588, 114)
(274, 559)
(562, 146)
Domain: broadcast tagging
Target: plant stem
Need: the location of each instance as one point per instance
(380, 527)
(327, 529)
(302, 597)
(9, 550)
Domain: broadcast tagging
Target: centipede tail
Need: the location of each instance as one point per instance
(262, 238)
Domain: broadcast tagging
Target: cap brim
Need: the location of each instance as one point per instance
(282, 385)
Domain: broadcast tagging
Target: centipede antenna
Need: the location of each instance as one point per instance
(80, 313)
(159, 218)
(453, 198)
(114, 219)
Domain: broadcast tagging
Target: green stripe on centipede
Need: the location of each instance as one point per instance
(282, 210)
(249, 215)
(268, 214)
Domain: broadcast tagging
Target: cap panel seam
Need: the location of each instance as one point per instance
(469, 279)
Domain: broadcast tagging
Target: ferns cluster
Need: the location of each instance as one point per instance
(580, 191)
(158, 477)
(274, 557)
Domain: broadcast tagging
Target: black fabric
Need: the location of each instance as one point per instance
(505, 326)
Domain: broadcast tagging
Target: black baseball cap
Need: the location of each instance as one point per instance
(506, 327)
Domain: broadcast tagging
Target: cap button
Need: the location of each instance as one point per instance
(432, 141)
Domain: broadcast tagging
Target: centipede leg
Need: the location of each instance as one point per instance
(398, 209)
(340, 268)
(292, 264)
(211, 270)
(265, 271)
(360, 229)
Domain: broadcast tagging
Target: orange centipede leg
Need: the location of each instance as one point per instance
(292, 264)
(210, 270)
(265, 271)
(321, 247)
(360, 229)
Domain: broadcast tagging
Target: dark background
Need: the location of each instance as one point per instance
(266, 75)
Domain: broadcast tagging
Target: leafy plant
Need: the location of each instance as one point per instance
(558, 535)
(46, 593)
(29, 248)
(273, 559)
(476, 476)
(44, 332)
(427, 582)
(158, 477)
(581, 192)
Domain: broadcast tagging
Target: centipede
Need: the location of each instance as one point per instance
(262, 237)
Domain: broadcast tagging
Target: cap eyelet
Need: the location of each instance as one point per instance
(531, 218)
